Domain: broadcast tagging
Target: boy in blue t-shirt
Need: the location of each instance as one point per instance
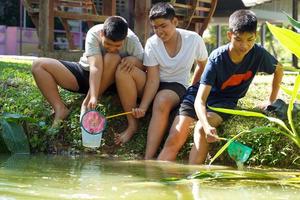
(226, 78)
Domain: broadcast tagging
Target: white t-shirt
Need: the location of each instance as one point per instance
(93, 46)
(178, 68)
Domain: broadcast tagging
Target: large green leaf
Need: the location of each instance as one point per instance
(289, 92)
(289, 39)
(15, 117)
(233, 175)
(14, 137)
(252, 114)
(291, 104)
(238, 112)
(294, 23)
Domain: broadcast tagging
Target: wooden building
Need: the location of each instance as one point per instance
(193, 14)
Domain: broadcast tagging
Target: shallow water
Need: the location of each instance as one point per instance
(89, 177)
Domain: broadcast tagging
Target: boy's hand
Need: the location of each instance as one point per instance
(264, 105)
(92, 103)
(211, 134)
(138, 112)
(127, 64)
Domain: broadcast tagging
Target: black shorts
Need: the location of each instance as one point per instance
(187, 109)
(178, 88)
(82, 76)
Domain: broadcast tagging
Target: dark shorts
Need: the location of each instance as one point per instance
(81, 75)
(187, 109)
(174, 86)
(187, 105)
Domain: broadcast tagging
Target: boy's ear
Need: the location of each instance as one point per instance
(229, 35)
(101, 33)
(175, 21)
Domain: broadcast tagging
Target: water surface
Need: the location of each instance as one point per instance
(60, 177)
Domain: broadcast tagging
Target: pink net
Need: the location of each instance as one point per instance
(93, 122)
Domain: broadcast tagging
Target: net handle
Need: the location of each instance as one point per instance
(219, 138)
(120, 114)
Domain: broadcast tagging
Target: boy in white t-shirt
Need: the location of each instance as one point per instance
(169, 57)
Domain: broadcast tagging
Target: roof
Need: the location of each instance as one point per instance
(226, 7)
(250, 3)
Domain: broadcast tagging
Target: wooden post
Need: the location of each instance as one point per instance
(46, 26)
(109, 7)
(219, 35)
(263, 34)
(141, 21)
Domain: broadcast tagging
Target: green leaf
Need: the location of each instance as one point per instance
(291, 104)
(251, 114)
(279, 122)
(289, 92)
(289, 39)
(14, 137)
(238, 112)
(263, 129)
(202, 175)
(294, 23)
(170, 179)
(232, 175)
(15, 117)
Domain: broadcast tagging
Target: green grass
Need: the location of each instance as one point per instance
(19, 94)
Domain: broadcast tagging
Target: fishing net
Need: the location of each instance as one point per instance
(93, 122)
(239, 152)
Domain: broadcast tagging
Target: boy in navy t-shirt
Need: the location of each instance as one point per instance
(228, 73)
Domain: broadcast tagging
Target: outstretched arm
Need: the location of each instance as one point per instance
(277, 77)
(151, 87)
(200, 108)
(198, 71)
(96, 70)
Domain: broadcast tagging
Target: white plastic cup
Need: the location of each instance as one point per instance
(89, 140)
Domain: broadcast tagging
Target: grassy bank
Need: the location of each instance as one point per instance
(19, 94)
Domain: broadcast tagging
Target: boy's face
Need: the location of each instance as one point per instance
(241, 43)
(111, 46)
(164, 28)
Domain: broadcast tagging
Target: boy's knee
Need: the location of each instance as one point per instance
(36, 65)
(112, 58)
(161, 104)
(121, 74)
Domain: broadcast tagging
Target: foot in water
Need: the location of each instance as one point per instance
(126, 135)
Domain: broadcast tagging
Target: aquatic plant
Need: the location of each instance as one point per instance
(13, 133)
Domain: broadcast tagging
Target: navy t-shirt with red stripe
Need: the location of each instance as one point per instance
(231, 81)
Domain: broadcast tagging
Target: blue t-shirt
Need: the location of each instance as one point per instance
(231, 81)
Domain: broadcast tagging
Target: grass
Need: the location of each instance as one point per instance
(19, 94)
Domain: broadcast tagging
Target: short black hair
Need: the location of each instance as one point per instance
(162, 10)
(115, 28)
(243, 21)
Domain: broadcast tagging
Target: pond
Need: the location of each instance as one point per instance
(91, 177)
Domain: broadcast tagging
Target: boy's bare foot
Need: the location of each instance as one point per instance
(126, 135)
(60, 115)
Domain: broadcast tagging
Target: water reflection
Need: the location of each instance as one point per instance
(89, 177)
